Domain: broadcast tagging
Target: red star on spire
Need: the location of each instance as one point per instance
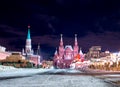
(28, 26)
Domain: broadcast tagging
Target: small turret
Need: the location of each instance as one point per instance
(76, 42)
(61, 40)
(38, 49)
(61, 47)
(81, 53)
(56, 53)
(76, 48)
(23, 52)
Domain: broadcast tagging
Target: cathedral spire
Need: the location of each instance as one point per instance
(28, 35)
(61, 40)
(76, 42)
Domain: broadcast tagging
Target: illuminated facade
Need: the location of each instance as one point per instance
(64, 56)
(96, 53)
(29, 53)
(3, 53)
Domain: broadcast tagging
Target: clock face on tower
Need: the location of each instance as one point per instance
(28, 50)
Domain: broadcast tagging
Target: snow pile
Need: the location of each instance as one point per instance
(5, 68)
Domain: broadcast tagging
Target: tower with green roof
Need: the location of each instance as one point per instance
(28, 43)
(28, 35)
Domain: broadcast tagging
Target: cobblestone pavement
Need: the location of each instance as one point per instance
(55, 81)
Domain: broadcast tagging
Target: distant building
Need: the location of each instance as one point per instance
(35, 59)
(64, 56)
(95, 52)
(3, 53)
(104, 54)
(28, 52)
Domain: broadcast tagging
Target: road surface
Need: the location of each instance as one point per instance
(55, 81)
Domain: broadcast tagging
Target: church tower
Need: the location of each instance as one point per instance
(56, 53)
(28, 43)
(61, 47)
(76, 48)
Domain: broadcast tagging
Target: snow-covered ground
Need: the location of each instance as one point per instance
(45, 78)
(5, 68)
(21, 72)
(111, 78)
(27, 72)
(55, 81)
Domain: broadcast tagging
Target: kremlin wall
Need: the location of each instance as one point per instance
(64, 57)
(21, 59)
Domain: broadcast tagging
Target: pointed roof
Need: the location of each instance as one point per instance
(38, 49)
(28, 35)
(76, 43)
(75, 37)
(61, 37)
(56, 52)
(61, 40)
(38, 46)
(81, 53)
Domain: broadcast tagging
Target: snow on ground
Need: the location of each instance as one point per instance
(71, 81)
(55, 81)
(111, 78)
(113, 75)
(21, 72)
(64, 71)
(17, 72)
(5, 68)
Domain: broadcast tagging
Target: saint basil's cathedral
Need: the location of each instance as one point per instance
(65, 56)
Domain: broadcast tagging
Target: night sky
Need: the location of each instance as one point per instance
(97, 22)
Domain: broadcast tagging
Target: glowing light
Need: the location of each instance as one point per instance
(28, 26)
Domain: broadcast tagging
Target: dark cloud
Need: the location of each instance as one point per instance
(97, 22)
(61, 16)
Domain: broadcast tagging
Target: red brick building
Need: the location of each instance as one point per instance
(64, 56)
